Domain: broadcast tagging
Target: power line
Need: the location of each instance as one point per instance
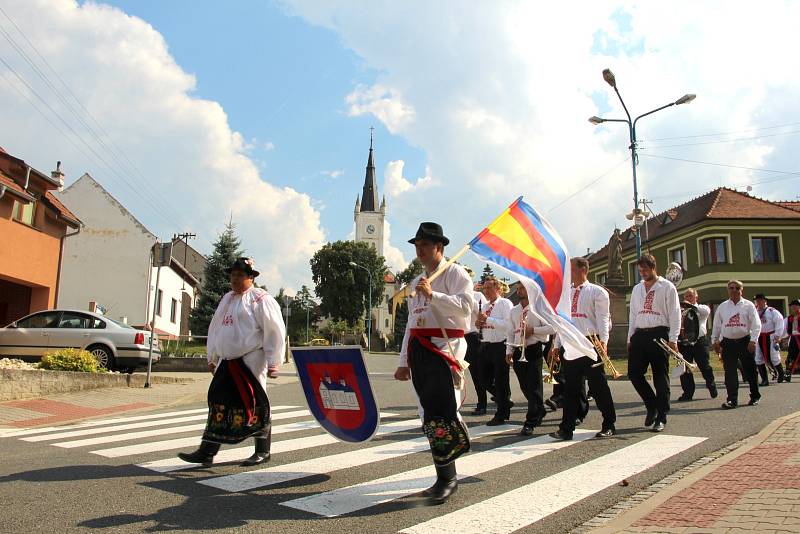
(722, 141)
(757, 169)
(588, 185)
(735, 132)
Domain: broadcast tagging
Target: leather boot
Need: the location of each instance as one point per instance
(446, 484)
(203, 455)
(762, 371)
(781, 374)
(261, 455)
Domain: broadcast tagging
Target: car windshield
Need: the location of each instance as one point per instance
(118, 323)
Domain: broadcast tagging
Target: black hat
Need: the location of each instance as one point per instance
(760, 296)
(245, 265)
(795, 302)
(431, 231)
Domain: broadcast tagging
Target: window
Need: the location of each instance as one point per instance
(678, 255)
(601, 278)
(173, 311)
(159, 298)
(40, 320)
(97, 324)
(387, 323)
(765, 249)
(23, 212)
(715, 251)
(73, 320)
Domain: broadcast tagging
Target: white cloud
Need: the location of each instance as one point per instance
(395, 259)
(396, 184)
(195, 171)
(505, 114)
(333, 174)
(269, 145)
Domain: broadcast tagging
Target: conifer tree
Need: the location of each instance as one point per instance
(217, 281)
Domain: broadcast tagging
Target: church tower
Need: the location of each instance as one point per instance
(368, 215)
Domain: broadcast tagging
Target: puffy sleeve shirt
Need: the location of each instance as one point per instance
(496, 328)
(657, 307)
(478, 305)
(772, 321)
(451, 302)
(703, 312)
(590, 310)
(735, 320)
(537, 330)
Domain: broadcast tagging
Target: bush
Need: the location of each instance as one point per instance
(70, 360)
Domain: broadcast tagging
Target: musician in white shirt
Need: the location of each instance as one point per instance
(655, 313)
(527, 335)
(432, 354)
(768, 352)
(476, 368)
(697, 352)
(736, 327)
(791, 332)
(493, 325)
(590, 312)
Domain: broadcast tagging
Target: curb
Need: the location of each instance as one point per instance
(627, 517)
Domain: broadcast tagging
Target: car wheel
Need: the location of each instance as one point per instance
(103, 356)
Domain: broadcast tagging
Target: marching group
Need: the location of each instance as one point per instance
(452, 328)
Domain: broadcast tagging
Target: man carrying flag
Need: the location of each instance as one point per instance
(432, 353)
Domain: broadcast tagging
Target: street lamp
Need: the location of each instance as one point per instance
(636, 215)
(369, 306)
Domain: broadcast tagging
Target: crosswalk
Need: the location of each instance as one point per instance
(363, 478)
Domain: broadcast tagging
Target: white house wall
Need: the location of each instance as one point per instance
(172, 286)
(109, 260)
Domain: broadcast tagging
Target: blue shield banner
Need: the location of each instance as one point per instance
(337, 388)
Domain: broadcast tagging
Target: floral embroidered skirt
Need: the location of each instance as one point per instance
(238, 407)
(433, 382)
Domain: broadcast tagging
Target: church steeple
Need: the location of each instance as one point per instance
(369, 197)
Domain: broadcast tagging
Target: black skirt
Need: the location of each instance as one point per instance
(238, 407)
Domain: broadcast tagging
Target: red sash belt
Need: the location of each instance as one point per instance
(424, 335)
(763, 341)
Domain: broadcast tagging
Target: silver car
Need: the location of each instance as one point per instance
(114, 345)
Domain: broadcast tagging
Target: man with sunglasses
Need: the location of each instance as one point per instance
(736, 327)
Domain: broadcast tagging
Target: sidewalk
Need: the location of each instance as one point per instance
(69, 407)
(755, 488)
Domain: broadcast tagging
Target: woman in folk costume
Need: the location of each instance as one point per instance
(246, 342)
(432, 354)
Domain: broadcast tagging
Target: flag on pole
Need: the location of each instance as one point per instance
(522, 242)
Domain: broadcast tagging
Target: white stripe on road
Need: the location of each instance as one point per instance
(87, 424)
(523, 506)
(360, 496)
(239, 454)
(325, 464)
(148, 424)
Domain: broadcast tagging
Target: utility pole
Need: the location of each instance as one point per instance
(162, 255)
(185, 237)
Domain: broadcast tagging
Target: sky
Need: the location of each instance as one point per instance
(194, 113)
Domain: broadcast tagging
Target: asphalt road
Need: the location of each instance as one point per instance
(54, 489)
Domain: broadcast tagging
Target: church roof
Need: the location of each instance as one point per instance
(369, 196)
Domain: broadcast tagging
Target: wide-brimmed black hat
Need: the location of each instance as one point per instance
(245, 265)
(430, 231)
(760, 296)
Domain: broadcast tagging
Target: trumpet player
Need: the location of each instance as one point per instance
(768, 352)
(655, 313)
(697, 351)
(527, 336)
(590, 314)
(736, 329)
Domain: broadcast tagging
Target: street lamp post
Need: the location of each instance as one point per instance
(637, 216)
(369, 306)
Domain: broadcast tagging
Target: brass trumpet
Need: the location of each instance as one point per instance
(553, 368)
(604, 359)
(675, 354)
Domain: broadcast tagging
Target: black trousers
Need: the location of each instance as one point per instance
(473, 358)
(495, 353)
(794, 353)
(735, 353)
(576, 373)
(529, 375)
(646, 352)
(697, 353)
(433, 383)
(558, 394)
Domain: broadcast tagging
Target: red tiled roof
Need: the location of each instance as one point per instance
(11, 184)
(62, 209)
(388, 278)
(791, 204)
(721, 203)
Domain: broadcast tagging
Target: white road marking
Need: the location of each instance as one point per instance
(238, 454)
(325, 464)
(523, 506)
(360, 496)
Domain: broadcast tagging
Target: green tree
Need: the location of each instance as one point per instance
(217, 282)
(487, 271)
(343, 289)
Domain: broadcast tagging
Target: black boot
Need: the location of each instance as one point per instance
(446, 484)
(781, 374)
(203, 455)
(262, 452)
(762, 371)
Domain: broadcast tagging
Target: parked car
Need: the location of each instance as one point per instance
(114, 345)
